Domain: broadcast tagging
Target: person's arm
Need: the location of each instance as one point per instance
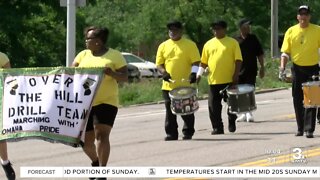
(260, 56)
(235, 77)
(7, 65)
(75, 64)
(201, 70)
(161, 68)
(121, 74)
(283, 62)
(194, 71)
(261, 61)
(285, 56)
(165, 75)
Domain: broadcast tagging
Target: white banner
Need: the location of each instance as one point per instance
(52, 106)
(171, 172)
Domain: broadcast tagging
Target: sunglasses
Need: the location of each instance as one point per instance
(304, 13)
(88, 38)
(217, 28)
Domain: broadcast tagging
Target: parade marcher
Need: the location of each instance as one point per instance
(105, 103)
(222, 55)
(251, 51)
(6, 164)
(301, 43)
(177, 59)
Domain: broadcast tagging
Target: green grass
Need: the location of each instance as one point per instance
(144, 91)
(149, 90)
(271, 76)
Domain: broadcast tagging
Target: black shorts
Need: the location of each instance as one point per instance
(102, 114)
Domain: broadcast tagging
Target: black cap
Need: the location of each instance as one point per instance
(304, 7)
(244, 21)
(174, 23)
(219, 23)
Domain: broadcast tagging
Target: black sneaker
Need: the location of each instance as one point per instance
(11, 175)
(217, 131)
(94, 164)
(186, 137)
(299, 133)
(170, 138)
(309, 134)
(232, 126)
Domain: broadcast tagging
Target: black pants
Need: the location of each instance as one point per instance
(171, 125)
(215, 107)
(305, 117)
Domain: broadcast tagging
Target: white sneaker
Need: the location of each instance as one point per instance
(249, 117)
(241, 118)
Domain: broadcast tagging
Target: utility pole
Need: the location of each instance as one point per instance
(274, 29)
(71, 27)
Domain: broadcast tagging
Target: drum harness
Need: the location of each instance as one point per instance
(314, 77)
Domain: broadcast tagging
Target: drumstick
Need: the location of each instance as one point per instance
(315, 76)
(185, 80)
(222, 91)
(172, 81)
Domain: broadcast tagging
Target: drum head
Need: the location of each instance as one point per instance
(182, 92)
(240, 89)
(311, 83)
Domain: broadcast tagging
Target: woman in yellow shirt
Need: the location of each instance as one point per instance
(105, 104)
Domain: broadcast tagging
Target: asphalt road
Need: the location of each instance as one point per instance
(137, 140)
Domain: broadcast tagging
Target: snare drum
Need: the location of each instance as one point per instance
(241, 98)
(184, 100)
(311, 94)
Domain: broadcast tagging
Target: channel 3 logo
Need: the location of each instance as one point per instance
(298, 155)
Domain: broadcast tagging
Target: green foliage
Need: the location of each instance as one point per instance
(32, 33)
(138, 26)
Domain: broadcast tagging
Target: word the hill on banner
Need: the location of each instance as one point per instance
(47, 103)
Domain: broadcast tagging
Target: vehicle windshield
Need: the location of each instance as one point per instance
(132, 59)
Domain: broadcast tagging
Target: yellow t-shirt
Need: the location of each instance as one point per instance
(108, 90)
(220, 55)
(177, 58)
(3, 59)
(302, 44)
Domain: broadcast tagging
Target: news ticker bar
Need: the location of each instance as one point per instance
(167, 172)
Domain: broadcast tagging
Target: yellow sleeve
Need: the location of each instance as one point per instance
(160, 58)
(3, 59)
(204, 55)
(318, 35)
(286, 48)
(80, 56)
(194, 53)
(238, 55)
(120, 62)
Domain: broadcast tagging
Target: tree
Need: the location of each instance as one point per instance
(32, 33)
